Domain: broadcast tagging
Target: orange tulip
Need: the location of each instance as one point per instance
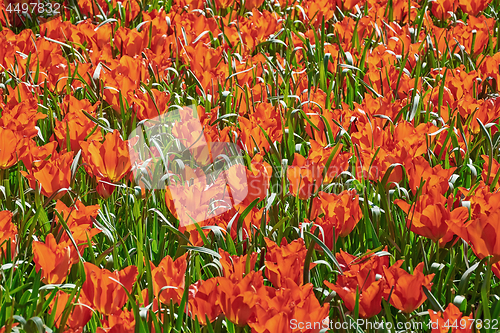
(150, 107)
(285, 261)
(452, 319)
(254, 30)
(432, 215)
(203, 296)
(116, 83)
(73, 105)
(317, 10)
(320, 155)
(78, 219)
(222, 4)
(169, 279)
(281, 309)
(441, 8)
(324, 122)
(361, 278)
(78, 126)
(495, 168)
(53, 259)
(77, 215)
(2, 329)
(130, 41)
(482, 234)
(482, 201)
(257, 179)
(101, 288)
(336, 213)
(473, 7)
(477, 29)
(53, 176)
(234, 267)
(370, 294)
(80, 313)
(238, 300)
(191, 203)
(251, 4)
(34, 157)
(349, 262)
(265, 118)
(109, 160)
(404, 289)
(10, 148)
(8, 233)
(203, 61)
(22, 117)
(305, 177)
(122, 321)
(418, 169)
(495, 268)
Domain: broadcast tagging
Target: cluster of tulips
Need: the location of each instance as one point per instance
(369, 138)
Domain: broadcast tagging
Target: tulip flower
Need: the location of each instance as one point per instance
(452, 319)
(80, 312)
(248, 184)
(267, 119)
(251, 4)
(482, 234)
(22, 117)
(8, 233)
(2, 329)
(191, 203)
(35, 157)
(361, 280)
(53, 176)
(104, 289)
(10, 148)
(150, 107)
(495, 268)
(122, 321)
(285, 261)
(349, 262)
(77, 215)
(78, 127)
(234, 267)
(79, 221)
(280, 309)
(53, 259)
(109, 160)
(404, 289)
(305, 177)
(203, 296)
(495, 168)
(431, 217)
(473, 7)
(336, 213)
(482, 201)
(442, 8)
(320, 155)
(418, 170)
(169, 279)
(238, 300)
